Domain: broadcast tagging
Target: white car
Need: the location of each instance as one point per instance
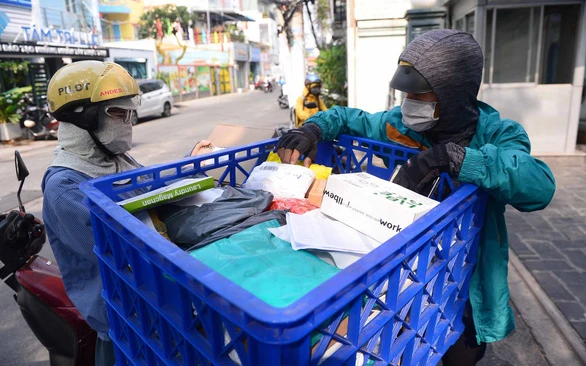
(155, 98)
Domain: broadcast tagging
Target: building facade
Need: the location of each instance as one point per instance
(39, 38)
(533, 63)
(119, 19)
(534, 55)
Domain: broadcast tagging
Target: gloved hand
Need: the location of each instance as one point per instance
(297, 142)
(419, 172)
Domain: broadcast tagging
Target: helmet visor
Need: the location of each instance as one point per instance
(409, 80)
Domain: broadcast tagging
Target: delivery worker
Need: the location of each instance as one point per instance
(310, 102)
(95, 102)
(440, 72)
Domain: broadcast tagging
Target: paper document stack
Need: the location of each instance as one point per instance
(330, 240)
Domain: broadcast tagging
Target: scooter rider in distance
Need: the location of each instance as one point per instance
(94, 101)
(310, 102)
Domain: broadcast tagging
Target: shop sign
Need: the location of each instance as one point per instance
(20, 3)
(60, 36)
(43, 50)
(11, 19)
(240, 51)
(254, 54)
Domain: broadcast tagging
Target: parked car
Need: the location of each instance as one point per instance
(156, 98)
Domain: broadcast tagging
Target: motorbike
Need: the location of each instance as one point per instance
(38, 287)
(267, 86)
(283, 100)
(38, 122)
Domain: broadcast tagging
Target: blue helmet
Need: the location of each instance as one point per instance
(311, 79)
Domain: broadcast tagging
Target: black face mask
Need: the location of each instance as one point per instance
(315, 90)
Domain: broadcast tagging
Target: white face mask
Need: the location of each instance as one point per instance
(418, 115)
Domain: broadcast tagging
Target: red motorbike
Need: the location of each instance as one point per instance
(38, 288)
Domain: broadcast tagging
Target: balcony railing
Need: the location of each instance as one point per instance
(66, 20)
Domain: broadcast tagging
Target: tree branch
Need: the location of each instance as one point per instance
(312, 28)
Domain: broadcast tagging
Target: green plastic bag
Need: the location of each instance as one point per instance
(265, 265)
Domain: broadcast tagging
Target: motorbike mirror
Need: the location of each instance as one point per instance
(311, 105)
(21, 173)
(21, 170)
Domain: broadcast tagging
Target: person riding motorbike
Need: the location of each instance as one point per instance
(94, 101)
(310, 102)
(440, 72)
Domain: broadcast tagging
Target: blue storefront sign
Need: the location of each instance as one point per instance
(240, 52)
(21, 3)
(60, 36)
(254, 54)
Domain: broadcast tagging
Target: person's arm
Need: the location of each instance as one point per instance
(199, 146)
(352, 121)
(328, 125)
(505, 168)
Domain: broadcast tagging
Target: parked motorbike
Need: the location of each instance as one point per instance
(283, 100)
(267, 86)
(38, 122)
(38, 288)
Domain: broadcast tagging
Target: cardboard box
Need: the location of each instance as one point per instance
(225, 136)
(373, 206)
(316, 191)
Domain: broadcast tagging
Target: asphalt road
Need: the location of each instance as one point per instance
(155, 140)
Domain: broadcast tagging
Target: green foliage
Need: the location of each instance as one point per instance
(147, 25)
(14, 73)
(10, 103)
(236, 35)
(331, 67)
(14, 66)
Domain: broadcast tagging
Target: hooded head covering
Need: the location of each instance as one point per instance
(451, 62)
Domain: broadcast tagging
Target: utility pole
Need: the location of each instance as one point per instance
(292, 47)
(297, 51)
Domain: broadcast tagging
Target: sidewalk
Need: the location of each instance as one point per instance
(547, 275)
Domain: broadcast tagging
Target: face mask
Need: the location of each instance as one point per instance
(418, 115)
(115, 128)
(315, 90)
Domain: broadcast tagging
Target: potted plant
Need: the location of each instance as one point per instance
(11, 103)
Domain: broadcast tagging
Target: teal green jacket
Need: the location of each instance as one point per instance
(497, 160)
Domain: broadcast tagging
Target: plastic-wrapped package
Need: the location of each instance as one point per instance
(188, 226)
(282, 180)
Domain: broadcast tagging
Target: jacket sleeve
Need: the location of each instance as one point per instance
(505, 168)
(74, 226)
(352, 121)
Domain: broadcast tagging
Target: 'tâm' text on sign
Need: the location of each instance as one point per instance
(60, 36)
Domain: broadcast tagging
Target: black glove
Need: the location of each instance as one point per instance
(421, 170)
(304, 140)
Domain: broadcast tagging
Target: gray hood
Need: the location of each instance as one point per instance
(77, 151)
(451, 61)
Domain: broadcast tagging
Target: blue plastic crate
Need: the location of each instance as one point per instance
(400, 304)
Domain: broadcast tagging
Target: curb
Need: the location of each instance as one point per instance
(188, 103)
(561, 343)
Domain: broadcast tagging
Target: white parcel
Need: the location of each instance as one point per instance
(282, 180)
(373, 206)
